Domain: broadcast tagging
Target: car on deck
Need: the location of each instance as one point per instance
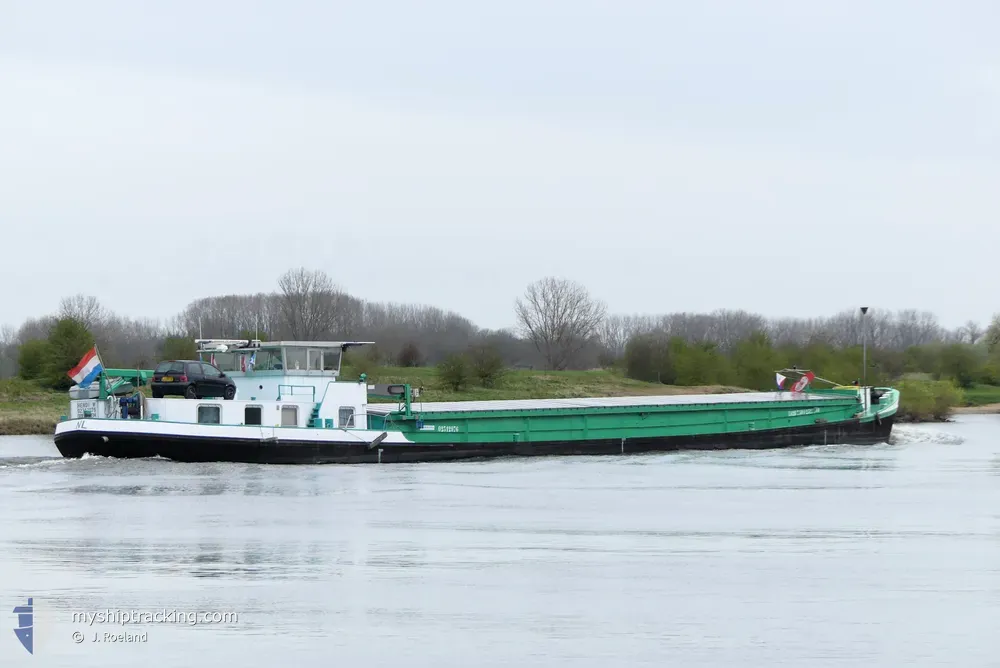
(191, 379)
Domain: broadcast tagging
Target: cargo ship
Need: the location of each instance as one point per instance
(285, 403)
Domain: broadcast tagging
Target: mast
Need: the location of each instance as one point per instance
(864, 348)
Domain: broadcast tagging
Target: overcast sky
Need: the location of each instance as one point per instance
(789, 158)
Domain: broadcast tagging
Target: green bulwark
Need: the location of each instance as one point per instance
(623, 417)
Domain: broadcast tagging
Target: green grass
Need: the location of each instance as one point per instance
(26, 408)
(981, 395)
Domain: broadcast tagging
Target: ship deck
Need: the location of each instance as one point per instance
(610, 402)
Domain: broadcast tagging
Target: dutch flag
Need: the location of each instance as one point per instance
(89, 368)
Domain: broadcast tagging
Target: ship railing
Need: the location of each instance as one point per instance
(297, 391)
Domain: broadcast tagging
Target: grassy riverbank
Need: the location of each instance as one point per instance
(25, 408)
(981, 395)
(927, 401)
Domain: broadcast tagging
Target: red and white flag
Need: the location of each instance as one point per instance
(802, 383)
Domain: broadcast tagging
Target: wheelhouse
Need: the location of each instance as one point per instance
(301, 358)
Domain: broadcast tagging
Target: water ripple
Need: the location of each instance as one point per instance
(828, 555)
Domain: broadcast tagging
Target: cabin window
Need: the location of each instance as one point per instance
(295, 359)
(331, 360)
(252, 415)
(315, 360)
(209, 414)
(345, 416)
(266, 360)
(289, 416)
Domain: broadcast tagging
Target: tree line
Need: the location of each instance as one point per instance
(559, 326)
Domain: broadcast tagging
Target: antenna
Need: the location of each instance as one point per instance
(864, 347)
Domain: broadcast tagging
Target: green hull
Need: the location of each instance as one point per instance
(716, 414)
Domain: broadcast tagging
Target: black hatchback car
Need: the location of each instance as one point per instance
(191, 379)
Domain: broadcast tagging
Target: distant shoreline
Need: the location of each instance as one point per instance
(14, 426)
(985, 409)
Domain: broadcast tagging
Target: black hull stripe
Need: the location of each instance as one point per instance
(287, 451)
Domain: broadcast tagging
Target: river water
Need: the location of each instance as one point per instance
(821, 556)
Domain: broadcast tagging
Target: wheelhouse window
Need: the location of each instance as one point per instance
(289, 416)
(345, 416)
(295, 359)
(252, 415)
(264, 359)
(267, 360)
(209, 414)
(331, 360)
(315, 360)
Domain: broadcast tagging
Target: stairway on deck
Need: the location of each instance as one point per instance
(314, 420)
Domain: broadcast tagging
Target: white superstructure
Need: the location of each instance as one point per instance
(278, 384)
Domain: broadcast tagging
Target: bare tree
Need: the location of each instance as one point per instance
(560, 317)
(972, 332)
(561, 326)
(129, 343)
(308, 303)
(35, 328)
(518, 353)
(8, 352)
(917, 328)
(229, 316)
(84, 308)
(614, 333)
(731, 327)
(436, 332)
(992, 335)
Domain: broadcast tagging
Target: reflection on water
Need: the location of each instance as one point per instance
(833, 555)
